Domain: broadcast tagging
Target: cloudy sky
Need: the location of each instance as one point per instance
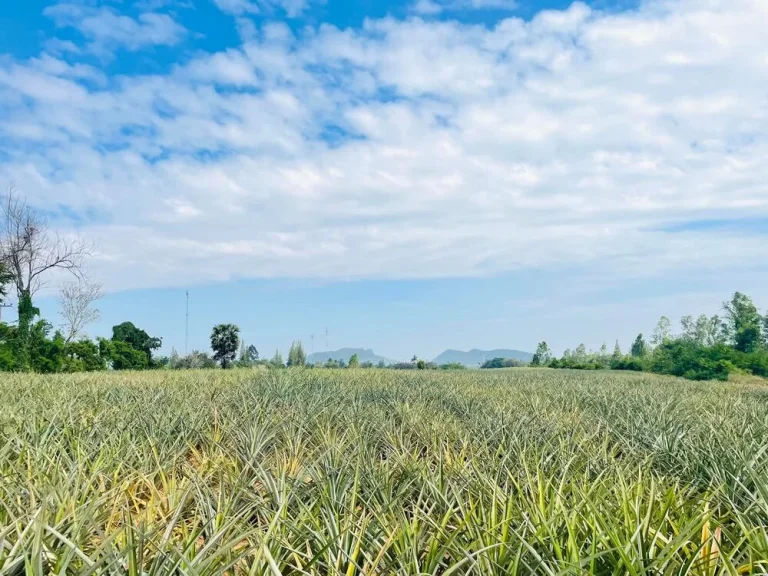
(412, 175)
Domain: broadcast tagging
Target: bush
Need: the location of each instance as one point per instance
(122, 355)
(570, 364)
(756, 362)
(453, 366)
(193, 361)
(628, 363)
(693, 361)
(82, 356)
(404, 366)
(502, 363)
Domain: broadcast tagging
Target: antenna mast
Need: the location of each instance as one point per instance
(186, 328)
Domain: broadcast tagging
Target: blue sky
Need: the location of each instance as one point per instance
(413, 175)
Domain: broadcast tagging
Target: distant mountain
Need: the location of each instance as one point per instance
(364, 354)
(475, 357)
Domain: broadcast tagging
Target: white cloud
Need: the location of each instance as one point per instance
(493, 4)
(57, 47)
(291, 8)
(434, 7)
(413, 148)
(427, 7)
(238, 7)
(106, 28)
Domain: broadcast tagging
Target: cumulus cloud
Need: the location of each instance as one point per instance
(427, 7)
(434, 7)
(412, 148)
(107, 29)
(291, 8)
(238, 6)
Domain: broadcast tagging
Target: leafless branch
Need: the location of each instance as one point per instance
(29, 249)
(76, 307)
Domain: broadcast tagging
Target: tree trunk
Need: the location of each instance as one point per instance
(27, 312)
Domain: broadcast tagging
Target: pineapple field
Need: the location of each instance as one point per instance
(352, 472)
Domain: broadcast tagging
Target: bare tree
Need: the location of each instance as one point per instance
(29, 249)
(76, 307)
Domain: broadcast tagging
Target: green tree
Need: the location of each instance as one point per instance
(82, 356)
(688, 359)
(697, 331)
(603, 356)
(716, 331)
(30, 252)
(742, 322)
(224, 341)
(46, 354)
(122, 355)
(580, 354)
(639, 347)
(195, 360)
(296, 355)
(22, 344)
(501, 363)
(542, 356)
(248, 357)
(136, 338)
(662, 333)
(381, 364)
(704, 331)
(765, 330)
(617, 353)
(687, 328)
(453, 366)
(277, 360)
(354, 361)
(7, 347)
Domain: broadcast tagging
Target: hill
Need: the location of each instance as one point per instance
(475, 357)
(364, 354)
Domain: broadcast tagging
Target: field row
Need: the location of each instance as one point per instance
(382, 472)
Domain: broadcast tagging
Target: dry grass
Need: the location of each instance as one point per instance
(382, 472)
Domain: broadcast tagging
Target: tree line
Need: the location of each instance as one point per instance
(705, 348)
(31, 254)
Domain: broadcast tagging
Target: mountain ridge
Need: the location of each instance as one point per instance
(363, 354)
(473, 358)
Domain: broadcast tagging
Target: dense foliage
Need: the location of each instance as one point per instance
(326, 472)
(297, 357)
(41, 349)
(225, 340)
(708, 348)
(502, 363)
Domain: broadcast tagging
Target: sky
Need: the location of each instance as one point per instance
(410, 176)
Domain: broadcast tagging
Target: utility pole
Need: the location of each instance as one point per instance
(186, 329)
(312, 343)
